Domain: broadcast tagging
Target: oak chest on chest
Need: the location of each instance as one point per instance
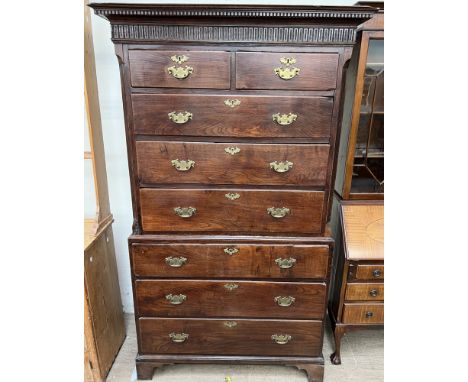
(231, 116)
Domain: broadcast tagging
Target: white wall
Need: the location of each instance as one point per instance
(114, 132)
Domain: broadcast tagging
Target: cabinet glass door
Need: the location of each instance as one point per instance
(368, 168)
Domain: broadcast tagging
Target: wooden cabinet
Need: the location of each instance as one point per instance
(231, 121)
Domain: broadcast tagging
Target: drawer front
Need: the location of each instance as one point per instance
(149, 68)
(228, 298)
(363, 313)
(367, 272)
(230, 337)
(230, 260)
(243, 116)
(225, 163)
(260, 70)
(249, 211)
(364, 292)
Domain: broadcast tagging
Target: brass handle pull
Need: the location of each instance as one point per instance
(176, 262)
(180, 117)
(281, 166)
(284, 119)
(230, 324)
(373, 293)
(232, 196)
(231, 251)
(369, 314)
(185, 212)
(232, 150)
(183, 165)
(232, 102)
(377, 273)
(231, 286)
(178, 337)
(284, 300)
(285, 263)
(281, 339)
(180, 72)
(278, 212)
(176, 299)
(287, 71)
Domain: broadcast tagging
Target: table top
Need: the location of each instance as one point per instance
(363, 229)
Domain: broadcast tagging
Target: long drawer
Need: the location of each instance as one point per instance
(231, 210)
(230, 260)
(230, 298)
(230, 337)
(218, 163)
(363, 313)
(232, 115)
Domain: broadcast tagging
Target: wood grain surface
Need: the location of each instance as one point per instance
(364, 292)
(363, 313)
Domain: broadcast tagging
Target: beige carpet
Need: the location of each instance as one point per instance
(362, 357)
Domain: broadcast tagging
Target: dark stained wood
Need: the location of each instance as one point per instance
(216, 213)
(213, 165)
(363, 313)
(148, 68)
(251, 261)
(251, 118)
(248, 337)
(367, 272)
(213, 299)
(364, 292)
(257, 71)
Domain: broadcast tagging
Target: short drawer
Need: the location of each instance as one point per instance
(363, 313)
(287, 71)
(231, 210)
(179, 69)
(225, 163)
(232, 115)
(367, 272)
(230, 298)
(230, 260)
(230, 337)
(364, 292)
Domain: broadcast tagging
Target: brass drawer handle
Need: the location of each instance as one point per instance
(232, 102)
(284, 119)
(231, 251)
(179, 59)
(377, 273)
(183, 165)
(369, 314)
(286, 72)
(178, 337)
(180, 117)
(185, 212)
(176, 299)
(278, 212)
(176, 262)
(281, 166)
(373, 293)
(232, 150)
(231, 286)
(230, 324)
(232, 196)
(284, 300)
(281, 339)
(180, 72)
(285, 263)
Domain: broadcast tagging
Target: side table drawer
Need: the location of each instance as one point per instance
(364, 292)
(230, 337)
(363, 313)
(287, 71)
(367, 272)
(230, 260)
(180, 69)
(230, 298)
